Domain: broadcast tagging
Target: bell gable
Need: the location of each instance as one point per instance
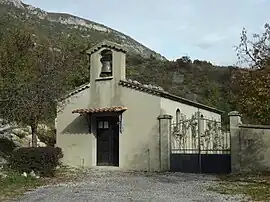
(107, 61)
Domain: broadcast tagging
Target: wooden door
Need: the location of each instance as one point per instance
(107, 141)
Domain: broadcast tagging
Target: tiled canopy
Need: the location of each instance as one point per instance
(100, 110)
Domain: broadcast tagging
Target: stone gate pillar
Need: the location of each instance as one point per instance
(164, 141)
(235, 121)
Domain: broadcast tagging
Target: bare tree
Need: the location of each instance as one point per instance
(251, 86)
(256, 51)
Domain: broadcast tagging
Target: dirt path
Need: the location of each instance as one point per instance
(132, 186)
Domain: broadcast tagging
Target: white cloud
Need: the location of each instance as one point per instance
(205, 29)
(210, 40)
(214, 38)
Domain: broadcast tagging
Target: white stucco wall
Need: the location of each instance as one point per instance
(72, 134)
(169, 107)
(139, 141)
(210, 115)
(139, 147)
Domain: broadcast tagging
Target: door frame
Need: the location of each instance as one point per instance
(111, 126)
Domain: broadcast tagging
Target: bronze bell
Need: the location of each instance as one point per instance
(106, 67)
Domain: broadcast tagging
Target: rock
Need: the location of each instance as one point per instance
(6, 128)
(41, 144)
(136, 82)
(16, 3)
(6, 135)
(24, 174)
(146, 86)
(2, 175)
(43, 127)
(21, 136)
(11, 137)
(25, 142)
(27, 129)
(15, 139)
(29, 137)
(33, 174)
(3, 161)
(21, 132)
(18, 131)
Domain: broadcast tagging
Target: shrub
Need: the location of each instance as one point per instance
(48, 137)
(42, 160)
(6, 146)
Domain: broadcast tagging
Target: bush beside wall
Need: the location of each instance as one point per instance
(6, 146)
(42, 160)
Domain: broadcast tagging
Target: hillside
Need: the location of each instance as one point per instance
(196, 80)
(59, 23)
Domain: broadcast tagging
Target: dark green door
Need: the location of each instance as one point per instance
(107, 141)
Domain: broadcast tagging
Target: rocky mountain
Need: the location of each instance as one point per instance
(196, 80)
(53, 24)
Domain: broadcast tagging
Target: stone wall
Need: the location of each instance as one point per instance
(250, 145)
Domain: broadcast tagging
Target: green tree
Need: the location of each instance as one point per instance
(251, 86)
(32, 77)
(184, 61)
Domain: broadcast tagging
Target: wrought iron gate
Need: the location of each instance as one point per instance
(200, 145)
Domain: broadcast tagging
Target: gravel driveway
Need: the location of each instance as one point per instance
(104, 185)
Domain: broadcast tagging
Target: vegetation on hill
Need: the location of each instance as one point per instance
(41, 58)
(195, 80)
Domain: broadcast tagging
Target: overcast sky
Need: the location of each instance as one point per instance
(201, 29)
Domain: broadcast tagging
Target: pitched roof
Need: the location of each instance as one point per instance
(160, 92)
(77, 90)
(106, 44)
(151, 89)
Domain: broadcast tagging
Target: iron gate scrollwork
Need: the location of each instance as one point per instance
(200, 145)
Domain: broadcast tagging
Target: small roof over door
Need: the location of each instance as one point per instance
(99, 110)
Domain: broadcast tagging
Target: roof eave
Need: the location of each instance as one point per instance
(75, 91)
(170, 96)
(195, 104)
(106, 44)
(100, 110)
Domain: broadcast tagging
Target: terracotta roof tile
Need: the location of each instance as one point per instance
(99, 110)
(106, 44)
(159, 91)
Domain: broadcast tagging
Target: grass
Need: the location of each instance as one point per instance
(256, 187)
(15, 185)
